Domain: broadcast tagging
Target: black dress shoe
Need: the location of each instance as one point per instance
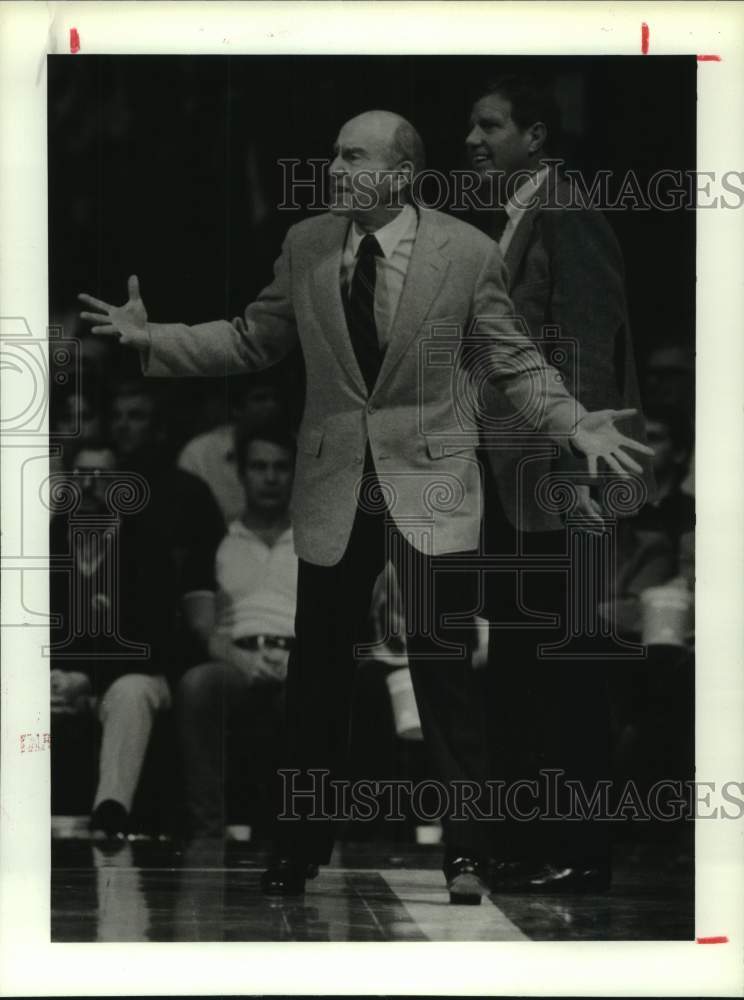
(503, 874)
(286, 877)
(571, 878)
(465, 881)
(530, 877)
(110, 818)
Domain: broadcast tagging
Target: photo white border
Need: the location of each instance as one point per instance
(29, 964)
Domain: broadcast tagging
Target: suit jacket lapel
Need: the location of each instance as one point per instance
(330, 307)
(426, 272)
(519, 243)
(515, 252)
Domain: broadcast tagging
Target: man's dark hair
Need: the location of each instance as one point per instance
(677, 422)
(277, 432)
(532, 100)
(128, 388)
(240, 386)
(136, 387)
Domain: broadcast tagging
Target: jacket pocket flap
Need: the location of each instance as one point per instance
(309, 441)
(441, 448)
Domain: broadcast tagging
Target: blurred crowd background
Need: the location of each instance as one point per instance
(168, 167)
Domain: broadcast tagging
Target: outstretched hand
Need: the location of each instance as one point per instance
(597, 437)
(128, 322)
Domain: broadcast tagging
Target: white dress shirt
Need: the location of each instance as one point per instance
(396, 240)
(257, 584)
(518, 204)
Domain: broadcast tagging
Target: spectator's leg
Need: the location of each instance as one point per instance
(205, 696)
(127, 713)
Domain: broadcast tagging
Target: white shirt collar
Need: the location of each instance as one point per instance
(520, 201)
(390, 235)
(237, 528)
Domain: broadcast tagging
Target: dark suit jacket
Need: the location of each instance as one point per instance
(566, 279)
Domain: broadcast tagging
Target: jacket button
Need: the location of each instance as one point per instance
(371, 408)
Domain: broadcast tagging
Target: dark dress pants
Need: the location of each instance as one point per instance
(333, 605)
(546, 712)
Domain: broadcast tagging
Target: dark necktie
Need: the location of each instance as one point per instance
(361, 310)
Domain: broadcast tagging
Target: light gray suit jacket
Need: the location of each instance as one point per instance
(453, 347)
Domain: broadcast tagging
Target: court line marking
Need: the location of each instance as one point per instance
(425, 897)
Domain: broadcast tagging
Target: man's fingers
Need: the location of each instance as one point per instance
(591, 508)
(95, 317)
(108, 331)
(133, 286)
(619, 414)
(591, 514)
(614, 465)
(627, 461)
(97, 303)
(592, 463)
(636, 445)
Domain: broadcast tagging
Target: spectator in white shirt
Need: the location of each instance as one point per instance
(248, 626)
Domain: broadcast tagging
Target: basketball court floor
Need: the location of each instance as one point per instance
(149, 890)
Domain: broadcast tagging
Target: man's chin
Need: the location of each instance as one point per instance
(340, 208)
(270, 505)
(484, 169)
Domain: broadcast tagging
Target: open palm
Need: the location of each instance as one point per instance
(128, 322)
(597, 437)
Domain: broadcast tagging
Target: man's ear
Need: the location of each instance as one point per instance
(537, 135)
(405, 173)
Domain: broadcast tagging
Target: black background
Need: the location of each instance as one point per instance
(167, 165)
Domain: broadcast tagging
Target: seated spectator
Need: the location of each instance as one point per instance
(668, 380)
(668, 376)
(113, 607)
(248, 625)
(76, 421)
(657, 545)
(211, 456)
(181, 511)
(653, 697)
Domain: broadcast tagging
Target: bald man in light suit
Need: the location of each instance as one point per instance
(386, 465)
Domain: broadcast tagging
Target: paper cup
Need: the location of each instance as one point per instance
(405, 711)
(238, 831)
(666, 616)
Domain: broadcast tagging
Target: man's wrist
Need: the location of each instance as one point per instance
(146, 344)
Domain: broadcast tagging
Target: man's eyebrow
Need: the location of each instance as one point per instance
(348, 149)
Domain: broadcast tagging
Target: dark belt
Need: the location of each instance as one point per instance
(265, 642)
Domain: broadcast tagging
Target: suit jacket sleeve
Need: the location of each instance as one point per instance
(506, 361)
(265, 334)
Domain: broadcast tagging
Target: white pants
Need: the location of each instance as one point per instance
(127, 713)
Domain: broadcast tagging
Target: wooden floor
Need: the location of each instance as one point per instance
(155, 891)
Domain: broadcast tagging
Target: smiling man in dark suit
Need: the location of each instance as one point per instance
(564, 272)
(384, 467)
